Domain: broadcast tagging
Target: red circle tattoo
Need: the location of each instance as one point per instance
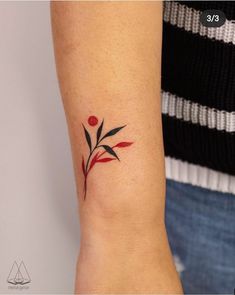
(92, 121)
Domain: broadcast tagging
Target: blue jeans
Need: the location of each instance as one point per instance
(201, 231)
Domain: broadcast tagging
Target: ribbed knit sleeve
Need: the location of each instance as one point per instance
(198, 86)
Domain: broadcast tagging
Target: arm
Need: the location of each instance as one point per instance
(108, 57)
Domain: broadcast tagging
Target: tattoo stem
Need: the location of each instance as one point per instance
(87, 164)
(92, 151)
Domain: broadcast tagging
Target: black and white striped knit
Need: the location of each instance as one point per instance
(198, 95)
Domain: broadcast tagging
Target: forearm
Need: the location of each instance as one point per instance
(116, 78)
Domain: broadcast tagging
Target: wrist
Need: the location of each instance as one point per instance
(119, 232)
(141, 264)
(118, 246)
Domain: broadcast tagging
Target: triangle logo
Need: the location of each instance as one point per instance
(18, 274)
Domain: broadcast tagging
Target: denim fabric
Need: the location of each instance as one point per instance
(201, 230)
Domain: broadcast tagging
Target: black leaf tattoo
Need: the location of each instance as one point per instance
(110, 151)
(113, 132)
(99, 131)
(88, 138)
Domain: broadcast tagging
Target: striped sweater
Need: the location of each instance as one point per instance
(198, 95)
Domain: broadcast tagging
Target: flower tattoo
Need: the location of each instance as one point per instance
(100, 148)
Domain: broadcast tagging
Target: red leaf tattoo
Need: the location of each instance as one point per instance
(123, 144)
(94, 160)
(104, 160)
(94, 144)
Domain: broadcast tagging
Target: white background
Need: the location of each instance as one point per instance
(38, 206)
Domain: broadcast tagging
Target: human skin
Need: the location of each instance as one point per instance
(108, 58)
